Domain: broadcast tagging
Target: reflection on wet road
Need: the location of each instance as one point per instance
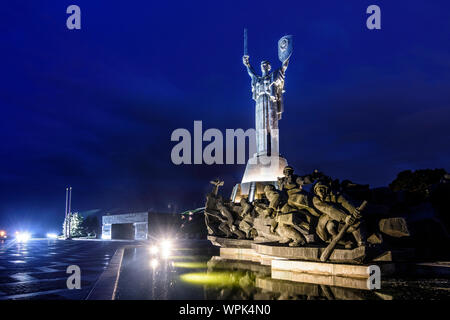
(187, 274)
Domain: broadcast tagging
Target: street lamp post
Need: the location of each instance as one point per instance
(70, 212)
(65, 214)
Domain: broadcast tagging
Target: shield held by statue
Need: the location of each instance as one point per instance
(285, 48)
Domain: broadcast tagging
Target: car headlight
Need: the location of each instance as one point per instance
(23, 236)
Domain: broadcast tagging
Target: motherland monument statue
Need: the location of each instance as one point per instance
(266, 165)
(275, 213)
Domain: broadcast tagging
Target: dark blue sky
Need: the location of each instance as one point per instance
(95, 108)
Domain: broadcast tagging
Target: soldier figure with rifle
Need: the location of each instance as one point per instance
(336, 211)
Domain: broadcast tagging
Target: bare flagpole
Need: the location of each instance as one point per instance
(65, 215)
(70, 210)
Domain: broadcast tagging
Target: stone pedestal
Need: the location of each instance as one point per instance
(260, 170)
(330, 274)
(345, 267)
(263, 168)
(311, 253)
(230, 243)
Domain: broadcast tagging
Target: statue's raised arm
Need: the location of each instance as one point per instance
(284, 65)
(250, 70)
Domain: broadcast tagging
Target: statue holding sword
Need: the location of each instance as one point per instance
(267, 92)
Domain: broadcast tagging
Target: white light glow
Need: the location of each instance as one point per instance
(52, 235)
(166, 245)
(154, 249)
(23, 236)
(166, 254)
(154, 263)
(106, 237)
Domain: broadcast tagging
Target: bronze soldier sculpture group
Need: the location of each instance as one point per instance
(289, 213)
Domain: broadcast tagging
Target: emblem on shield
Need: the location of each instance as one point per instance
(285, 48)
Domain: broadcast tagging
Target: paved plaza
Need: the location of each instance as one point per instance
(37, 269)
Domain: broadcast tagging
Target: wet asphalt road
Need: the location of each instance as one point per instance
(37, 269)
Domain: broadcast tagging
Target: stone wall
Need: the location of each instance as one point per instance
(139, 221)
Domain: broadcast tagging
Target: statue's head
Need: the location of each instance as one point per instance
(288, 170)
(321, 190)
(324, 187)
(268, 188)
(265, 67)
